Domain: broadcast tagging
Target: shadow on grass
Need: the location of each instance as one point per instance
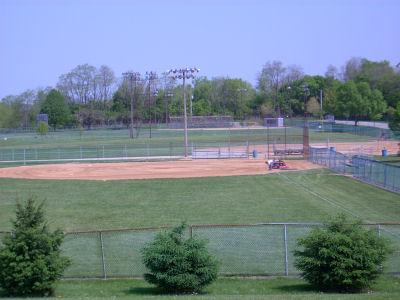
(295, 289)
(152, 291)
(146, 291)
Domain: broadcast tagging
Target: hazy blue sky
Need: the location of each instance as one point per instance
(42, 39)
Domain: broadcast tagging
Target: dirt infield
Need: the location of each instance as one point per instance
(146, 170)
(182, 168)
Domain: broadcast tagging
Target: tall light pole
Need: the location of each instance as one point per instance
(184, 73)
(321, 98)
(150, 77)
(241, 90)
(306, 144)
(132, 77)
(289, 89)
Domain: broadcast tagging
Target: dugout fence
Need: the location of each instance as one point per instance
(263, 249)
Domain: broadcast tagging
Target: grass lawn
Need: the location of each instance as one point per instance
(308, 196)
(390, 159)
(270, 288)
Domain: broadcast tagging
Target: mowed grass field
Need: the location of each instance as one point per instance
(305, 196)
(226, 288)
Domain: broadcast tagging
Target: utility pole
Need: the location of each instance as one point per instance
(150, 77)
(184, 73)
(132, 77)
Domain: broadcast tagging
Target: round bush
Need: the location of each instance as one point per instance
(342, 256)
(177, 264)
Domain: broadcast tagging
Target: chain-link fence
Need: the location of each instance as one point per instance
(246, 249)
(375, 172)
(329, 158)
(258, 249)
(367, 131)
(362, 167)
(225, 143)
(94, 152)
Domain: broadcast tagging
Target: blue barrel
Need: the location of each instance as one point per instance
(255, 153)
(384, 152)
(333, 149)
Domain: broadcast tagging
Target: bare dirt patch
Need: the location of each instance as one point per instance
(146, 170)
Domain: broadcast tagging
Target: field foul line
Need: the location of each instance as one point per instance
(321, 197)
(333, 203)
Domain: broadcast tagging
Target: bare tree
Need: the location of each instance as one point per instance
(107, 83)
(271, 79)
(79, 85)
(294, 73)
(352, 68)
(332, 73)
(168, 84)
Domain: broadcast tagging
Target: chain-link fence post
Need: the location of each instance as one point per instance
(286, 252)
(102, 254)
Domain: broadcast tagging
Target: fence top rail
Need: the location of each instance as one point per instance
(215, 225)
(376, 161)
(114, 230)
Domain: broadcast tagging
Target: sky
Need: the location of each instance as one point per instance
(43, 39)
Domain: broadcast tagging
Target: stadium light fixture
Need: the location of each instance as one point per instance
(184, 73)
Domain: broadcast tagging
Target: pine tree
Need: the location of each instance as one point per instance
(30, 260)
(177, 264)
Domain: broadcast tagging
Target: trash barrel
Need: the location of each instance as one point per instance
(384, 152)
(255, 153)
(333, 149)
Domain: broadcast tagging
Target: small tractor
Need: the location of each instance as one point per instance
(277, 164)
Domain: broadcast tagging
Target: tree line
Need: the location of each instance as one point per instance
(86, 96)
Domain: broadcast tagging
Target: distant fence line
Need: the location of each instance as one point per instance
(362, 167)
(228, 144)
(370, 131)
(243, 249)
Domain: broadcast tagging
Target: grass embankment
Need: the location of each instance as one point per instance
(270, 288)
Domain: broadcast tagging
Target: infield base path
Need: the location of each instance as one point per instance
(147, 170)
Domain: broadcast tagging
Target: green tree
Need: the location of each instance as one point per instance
(43, 128)
(395, 124)
(177, 264)
(5, 115)
(201, 108)
(30, 260)
(342, 256)
(349, 102)
(56, 108)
